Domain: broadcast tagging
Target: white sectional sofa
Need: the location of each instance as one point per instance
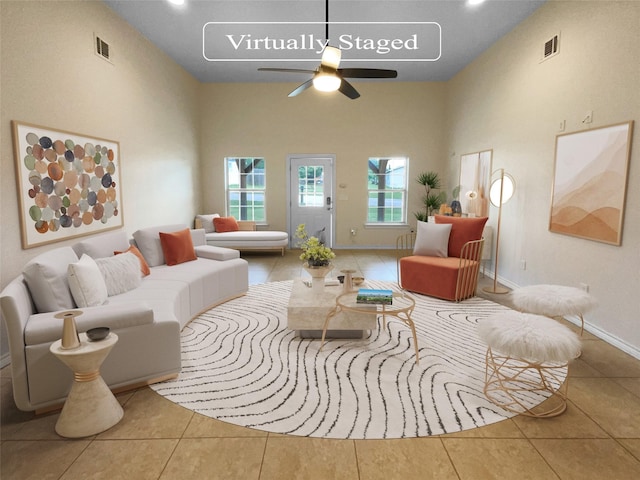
(246, 238)
(147, 319)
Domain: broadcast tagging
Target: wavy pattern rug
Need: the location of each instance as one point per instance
(240, 364)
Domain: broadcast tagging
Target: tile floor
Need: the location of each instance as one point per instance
(598, 437)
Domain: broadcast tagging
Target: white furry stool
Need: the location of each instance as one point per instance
(527, 356)
(553, 301)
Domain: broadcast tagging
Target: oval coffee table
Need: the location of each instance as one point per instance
(401, 308)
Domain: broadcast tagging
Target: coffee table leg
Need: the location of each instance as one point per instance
(409, 323)
(332, 313)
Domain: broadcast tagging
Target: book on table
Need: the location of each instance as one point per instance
(374, 296)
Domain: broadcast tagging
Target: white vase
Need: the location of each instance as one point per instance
(70, 338)
(317, 275)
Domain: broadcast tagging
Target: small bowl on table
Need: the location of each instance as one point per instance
(357, 281)
(97, 334)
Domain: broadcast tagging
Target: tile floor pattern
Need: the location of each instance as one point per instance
(597, 438)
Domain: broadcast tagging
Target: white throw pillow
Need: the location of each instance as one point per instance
(121, 273)
(207, 222)
(432, 239)
(46, 277)
(86, 282)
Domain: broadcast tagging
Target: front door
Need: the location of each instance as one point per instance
(311, 196)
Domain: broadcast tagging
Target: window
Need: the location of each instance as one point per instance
(246, 188)
(387, 190)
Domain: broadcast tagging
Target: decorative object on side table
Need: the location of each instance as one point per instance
(348, 280)
(70, 338)
(317, 256)
(97, 334)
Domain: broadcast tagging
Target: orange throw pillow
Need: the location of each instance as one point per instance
(144, 266)
(225, 224)
(177, 247)
(463, 230)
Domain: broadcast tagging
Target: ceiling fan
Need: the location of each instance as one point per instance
(328, 77)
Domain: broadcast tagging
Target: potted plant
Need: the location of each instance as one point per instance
(432, 201)
(314, 252)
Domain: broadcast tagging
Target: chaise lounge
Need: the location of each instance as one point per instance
(240, 235)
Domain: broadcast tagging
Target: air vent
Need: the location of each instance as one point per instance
(102, 49)
(551, 47)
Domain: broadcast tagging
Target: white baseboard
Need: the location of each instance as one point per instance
(611, 339)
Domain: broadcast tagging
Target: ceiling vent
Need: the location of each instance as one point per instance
(551, 47)
(102, 49)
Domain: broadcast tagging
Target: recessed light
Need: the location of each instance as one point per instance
(474, 2)
(177, 2)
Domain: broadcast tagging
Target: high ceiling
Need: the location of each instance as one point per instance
(435, 39)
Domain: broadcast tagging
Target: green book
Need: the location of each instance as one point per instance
(369, 295)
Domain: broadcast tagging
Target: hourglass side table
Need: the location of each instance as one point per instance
(90, 407)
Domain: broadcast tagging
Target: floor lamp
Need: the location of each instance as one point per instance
(502, 189)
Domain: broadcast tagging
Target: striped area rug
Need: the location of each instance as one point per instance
(240, 364)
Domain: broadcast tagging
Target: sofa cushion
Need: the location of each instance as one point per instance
(46, 277)
(44, 328)
(207, 222)
(86, 282)
(225, 224)
(103, 245)
(148, 242)
(121, 273)
(432, 239)
(463, 230)
(177, 247)
(144, 267)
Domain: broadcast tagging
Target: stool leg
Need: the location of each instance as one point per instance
(506, 384)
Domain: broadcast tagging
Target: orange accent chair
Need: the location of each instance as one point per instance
(443, 259)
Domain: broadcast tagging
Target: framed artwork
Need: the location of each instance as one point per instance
(590, 183)
(68, 184)
(475, 180)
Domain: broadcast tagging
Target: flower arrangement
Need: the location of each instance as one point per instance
(313, 251)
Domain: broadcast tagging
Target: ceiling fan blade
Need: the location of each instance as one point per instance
(347, 89)
(286, 70)
(367, 73)
(302, 88)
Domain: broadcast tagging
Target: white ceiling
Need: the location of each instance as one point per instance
(186, 35)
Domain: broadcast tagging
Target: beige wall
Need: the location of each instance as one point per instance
(51, 77)
(508, 101)
(389, 119)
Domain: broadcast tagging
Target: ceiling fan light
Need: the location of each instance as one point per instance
(326, 82)
(331, 57)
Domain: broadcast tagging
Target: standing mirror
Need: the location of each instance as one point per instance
(475, 181)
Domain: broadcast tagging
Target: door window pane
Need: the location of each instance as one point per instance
(310, 186)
